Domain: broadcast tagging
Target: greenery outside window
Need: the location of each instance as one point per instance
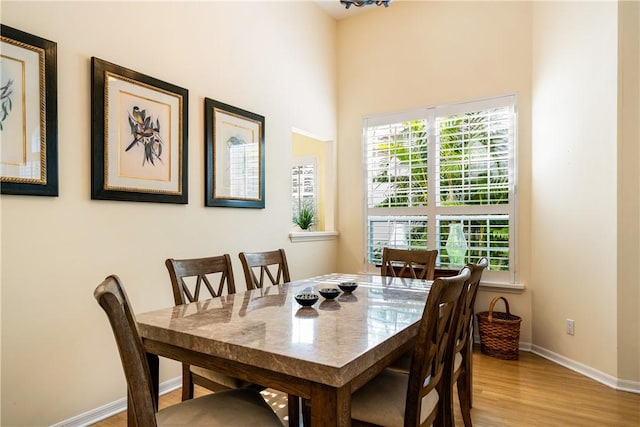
(444, 178)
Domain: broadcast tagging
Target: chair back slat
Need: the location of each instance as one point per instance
(266, 263)
(413, 263)
(463, 331)
(200, 269)
(439, 319)
(112, 298)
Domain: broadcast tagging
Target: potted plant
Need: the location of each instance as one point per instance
(305, 217)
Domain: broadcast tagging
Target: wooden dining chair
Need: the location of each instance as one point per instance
(273, 270)
(180, 270)
(413, 263)
(399, 399)
(238, 407)
(460, 371)
(183, 272)
(271, 265)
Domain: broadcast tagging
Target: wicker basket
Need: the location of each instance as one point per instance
(499, 332)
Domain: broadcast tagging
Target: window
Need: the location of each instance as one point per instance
(304, 184)
(443, 178)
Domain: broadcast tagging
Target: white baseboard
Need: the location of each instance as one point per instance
(110, 409)
(601, 377)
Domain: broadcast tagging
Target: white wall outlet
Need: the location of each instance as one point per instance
(571, 326)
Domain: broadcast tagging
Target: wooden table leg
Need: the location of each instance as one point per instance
(330, 406)
(293, 408)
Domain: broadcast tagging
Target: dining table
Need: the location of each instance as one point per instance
(322, 353)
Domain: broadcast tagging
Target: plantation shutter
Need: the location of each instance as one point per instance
(474, 153)
(443, 178)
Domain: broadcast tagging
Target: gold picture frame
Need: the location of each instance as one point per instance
(139, 136)
(28, 114)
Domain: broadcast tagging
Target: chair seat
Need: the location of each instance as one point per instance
(382, 400)
(239, 407)
(218, 378)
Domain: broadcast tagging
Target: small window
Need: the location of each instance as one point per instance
(313, 185)
(304, 189)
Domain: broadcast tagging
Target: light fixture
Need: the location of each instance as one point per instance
(359, 3)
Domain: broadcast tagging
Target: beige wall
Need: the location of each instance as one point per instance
(58, 355)
(561, 59)
(430, 53)
(629, 191)
(574, 158)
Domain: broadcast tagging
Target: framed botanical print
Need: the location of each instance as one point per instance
(139, 136)
(234, 156)
(28, 114)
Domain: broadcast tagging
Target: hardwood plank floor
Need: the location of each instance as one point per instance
(529, 392)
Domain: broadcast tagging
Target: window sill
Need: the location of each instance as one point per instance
(506, 287)
(487, 285)
(312, 236)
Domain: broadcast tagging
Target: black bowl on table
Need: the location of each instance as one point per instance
(307, 299)
(348, 287)
(329, 293)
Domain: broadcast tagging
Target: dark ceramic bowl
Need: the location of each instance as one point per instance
(306, 300)
(329, 293)
(348, 286)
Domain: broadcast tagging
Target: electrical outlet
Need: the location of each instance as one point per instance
(571, 327)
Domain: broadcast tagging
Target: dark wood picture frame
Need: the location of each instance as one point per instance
(234, 156)
(139, 136)
(33, 59)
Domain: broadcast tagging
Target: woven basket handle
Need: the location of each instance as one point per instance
(493, 303)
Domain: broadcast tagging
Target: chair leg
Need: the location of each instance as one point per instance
(464, 396)
(445, 403)
(131, 417)
(468, 370)
(439, 419)
(187, 383)
(468, 367)
(293, 408)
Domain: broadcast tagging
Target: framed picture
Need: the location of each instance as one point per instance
(28, 114)
(234, 156)
(139, 136)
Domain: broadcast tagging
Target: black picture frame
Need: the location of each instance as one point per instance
(133, 111)
(29, 169)
(234, 156)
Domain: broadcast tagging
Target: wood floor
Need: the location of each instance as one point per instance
(529, 392)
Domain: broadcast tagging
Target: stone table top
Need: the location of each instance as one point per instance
(331, 342)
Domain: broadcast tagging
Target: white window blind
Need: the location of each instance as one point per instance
(443, 178)
(397, 164)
